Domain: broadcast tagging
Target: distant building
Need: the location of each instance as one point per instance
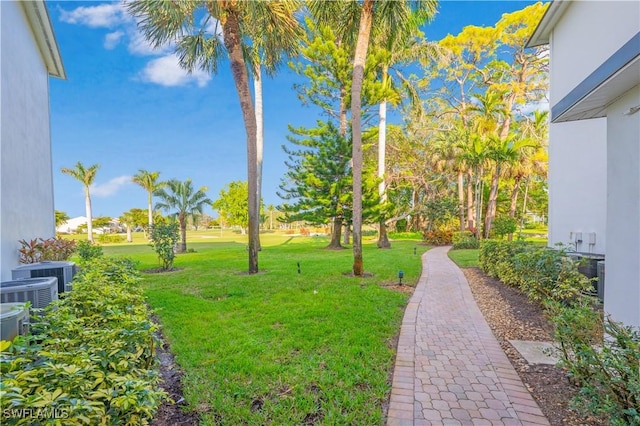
(29, 55)
(594, 139)
(71, 225)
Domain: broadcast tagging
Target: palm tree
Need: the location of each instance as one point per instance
(189, 24)
(128, 220)
(86, 176)
(180, 196)
(149, 181)
(61, 217)
(393, 18)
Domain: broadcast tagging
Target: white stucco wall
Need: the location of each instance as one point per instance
(26, 189)
(622, 283)
(578, 183)
(588, 33)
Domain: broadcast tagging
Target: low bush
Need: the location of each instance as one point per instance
(39, 249)
(111, 238)
(90, 358)
(440, 237)
(164, 237)
(464, 240)
(607, 372)
(543, 274)
(504, 225)
(88, 250)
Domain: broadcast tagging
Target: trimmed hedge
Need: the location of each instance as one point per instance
(90, 358)
(607, 372)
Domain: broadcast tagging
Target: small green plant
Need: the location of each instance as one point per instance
(91, 356)
(607, 371)
(164, 237)
(440, 237)
(110, 238)
(504, 225)
(465, 240)
(39, 249)
(88, 250)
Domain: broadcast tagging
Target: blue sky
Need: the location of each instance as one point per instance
(128, 107)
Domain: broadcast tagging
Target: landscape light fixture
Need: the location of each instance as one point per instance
(401, 275)
(414, 250)
(298, 267)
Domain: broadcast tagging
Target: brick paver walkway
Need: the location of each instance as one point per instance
(450, 369)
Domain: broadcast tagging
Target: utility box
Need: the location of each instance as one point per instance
(14, 320)
(600, 284)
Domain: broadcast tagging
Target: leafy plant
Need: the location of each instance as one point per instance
(465, 240)
(91, 357)
(110, 238)
(439, 237)
(504, 225)
(88, 250)
(39, 249)
(164, 237)
(608, 376)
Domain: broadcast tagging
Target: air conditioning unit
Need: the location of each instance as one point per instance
(62, 270)
(14, 320)
(39, 291)
(600, 285)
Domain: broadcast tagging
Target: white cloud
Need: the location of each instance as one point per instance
(107, 15)
(111, 40)
(166, 71)
(139, 45)
(110, 188)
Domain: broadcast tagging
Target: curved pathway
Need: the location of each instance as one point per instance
(450, 369)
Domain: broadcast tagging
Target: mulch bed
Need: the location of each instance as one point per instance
(512, 316)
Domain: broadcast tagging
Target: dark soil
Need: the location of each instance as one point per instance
(161, 271)
(512, 316)
(171, 412)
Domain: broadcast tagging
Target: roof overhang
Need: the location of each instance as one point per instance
(611, 80)
(40, 22)
(549, 20)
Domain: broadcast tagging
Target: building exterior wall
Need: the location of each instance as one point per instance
(578, 183)
(588, 33)
(622, 283)
(26, 191)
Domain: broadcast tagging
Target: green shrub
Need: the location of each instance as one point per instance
(541, 273)
(440, 237)
(608, 376)
(39, 249)
(111, 238)
(91, 357)
(504, 225)
(88, 250)
(164, 237)
(465, 240)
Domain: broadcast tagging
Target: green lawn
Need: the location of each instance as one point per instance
(280, 347)
(465, 258)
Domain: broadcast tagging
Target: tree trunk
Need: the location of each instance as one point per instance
(514, 201)
(257, 86)
(478, 201)
(87, 206)
(493, 200)
(150, 206)
(524, 203)
(182, 247)
(461, 199)
(360, 56)
(470, 202)
(232, 42)
(336, 232)
(129, 236)
(383, 238)
(347, 234)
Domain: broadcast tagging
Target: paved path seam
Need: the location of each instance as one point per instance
(450, 369)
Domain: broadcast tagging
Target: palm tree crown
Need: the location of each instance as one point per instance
(149, 181)
(184, 200)
(86, 176)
